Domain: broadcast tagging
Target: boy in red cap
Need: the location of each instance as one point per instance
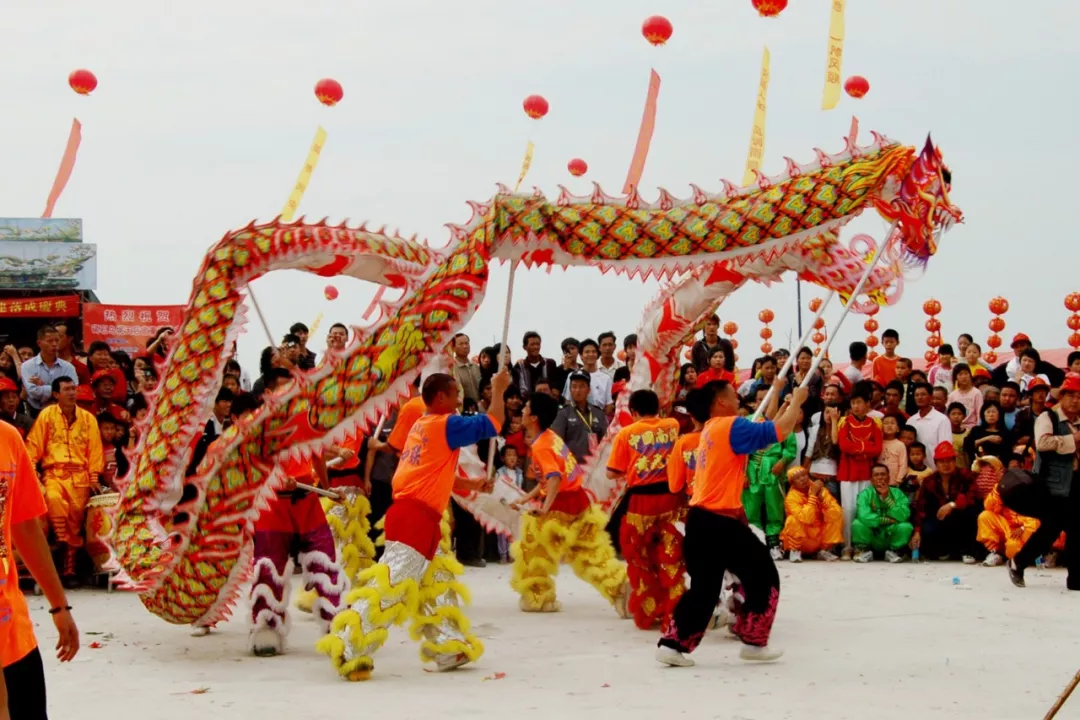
(945, 513)
(9, 408)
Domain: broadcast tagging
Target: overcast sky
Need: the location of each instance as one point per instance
(204, 114)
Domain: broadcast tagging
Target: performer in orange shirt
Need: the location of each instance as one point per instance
(718, 537)
(650, 542)
(416, 577)
(21, 508)
(683, 460)
(292, 518)
(566, 528)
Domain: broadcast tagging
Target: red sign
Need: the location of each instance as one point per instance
(127, 327)
(48, 307)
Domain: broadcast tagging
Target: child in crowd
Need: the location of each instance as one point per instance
(957, 413)
(966, 396)
(859, 438)
(908, 436)
(917, 470)
(893, 451)
(941, 374)
(511, 473)
(941, 400)
(973, 357)
(884, 366)
(115, 464)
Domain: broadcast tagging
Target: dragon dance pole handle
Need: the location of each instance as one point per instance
(502, 355)
(879, 250)
(318, 491)
(791, 357)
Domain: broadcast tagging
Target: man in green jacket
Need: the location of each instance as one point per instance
(881, 520)
(763, 496)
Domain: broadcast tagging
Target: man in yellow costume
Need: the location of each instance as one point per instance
(1001, 531)
(566, 528)
(66, 442)
(815, 521)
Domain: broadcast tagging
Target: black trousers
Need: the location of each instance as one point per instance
(468, 535)
(382, 495)
(25, 682)
(955, 535)
(1055, 515)
(615, 523)
(715, 544)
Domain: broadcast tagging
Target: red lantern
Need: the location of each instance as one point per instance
(871, 341)
(991, 357)
(934, 341)
(82, 81)
(818, 338)
(1072, 302)
(999, 306)
(734, 344)
(730, 328)
(873, 310)
(622, 355)
(819, 323)
(1073, 322)
(994, 341)
(815, 305)
(931, 307)
(930, 356)
(766, 316)
(765, 333)
(997, 324)
(657, 29)
(871, 325)
(769, 8)
(766, 348)
(577, 167)
(329, 92)
(1074, 341)
(933, 325)
(535, 106)
(330, 292)
(856, 86)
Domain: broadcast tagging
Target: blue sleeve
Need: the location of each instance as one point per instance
(462, 430)
(39, 394)
(748, 437)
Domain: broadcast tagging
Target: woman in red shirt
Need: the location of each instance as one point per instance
(721, 363)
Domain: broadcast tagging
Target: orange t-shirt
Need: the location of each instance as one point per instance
(641, 450)
(550, 456)
(408, 414)
(681, 464)
(429, 459)
(883, 369)
(724, 448)
(20, 500)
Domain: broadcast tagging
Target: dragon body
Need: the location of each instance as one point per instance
(181, 543)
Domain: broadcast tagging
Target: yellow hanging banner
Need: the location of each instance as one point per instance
(526, 163)
(835, 59)
(757, 137)
(300, 188)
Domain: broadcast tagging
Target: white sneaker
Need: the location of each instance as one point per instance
(893, 556)
(444, 663)
(968, 560)
(776, 553)
(864, 557)
(993, 560)
(826, 556)
(795, 556)
(719, 617)
(672, 657)
(200, 631)
(755, 653)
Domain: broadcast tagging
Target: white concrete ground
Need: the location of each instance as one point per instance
(874, 641)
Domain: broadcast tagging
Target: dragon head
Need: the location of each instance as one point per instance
(921, 207)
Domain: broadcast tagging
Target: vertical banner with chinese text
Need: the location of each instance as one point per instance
(757, 136)
(835, 58)
(127, 327)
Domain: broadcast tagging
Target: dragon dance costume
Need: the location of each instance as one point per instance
(292, 520)
(648, 537)
(572, 531)
(416, 578)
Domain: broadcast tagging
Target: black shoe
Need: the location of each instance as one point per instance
(1016, 574)
(474, 562)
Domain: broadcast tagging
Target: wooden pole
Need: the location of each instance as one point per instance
(1063, 696)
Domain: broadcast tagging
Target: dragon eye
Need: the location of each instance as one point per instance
(946, 175)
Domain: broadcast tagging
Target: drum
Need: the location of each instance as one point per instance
(99, 527)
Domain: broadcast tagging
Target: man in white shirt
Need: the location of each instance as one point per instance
(39, 372)
(608, 362)
(855, 372)
(931, 427)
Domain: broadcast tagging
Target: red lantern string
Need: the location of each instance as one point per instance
(871, 326)
(933, 326)
(998, 306)
(766, 316)
(1072, 304)
(730, 328)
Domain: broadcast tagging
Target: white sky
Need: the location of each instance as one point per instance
(205, 111)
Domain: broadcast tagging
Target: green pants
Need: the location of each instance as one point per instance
(887, 537)
(764, 507)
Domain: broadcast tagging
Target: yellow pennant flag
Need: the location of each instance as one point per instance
(526, 163)
(297, 194)
(835, 60)
(757, 137)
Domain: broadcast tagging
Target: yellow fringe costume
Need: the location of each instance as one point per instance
(404, 586)
(578, 540)
(349, 524)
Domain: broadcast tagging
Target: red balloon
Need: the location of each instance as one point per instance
(1072, 302)
(997, 324)
(766, 316)
(329, 92)
(82, 81)
(657, 29)
(730, 328)
(330, 292)
(535, 106)
(769, 8)
(999, 306)
(856, 86)
(577, 167)
(931, 307)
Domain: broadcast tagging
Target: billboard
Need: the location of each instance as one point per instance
(41, 230)
(56, 306)
(47, 265)
(127, 327)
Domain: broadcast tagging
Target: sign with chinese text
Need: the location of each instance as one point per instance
(127, 327)
(757, 137)
(835, 61)
(41, 230)
(47, 265)
(44, 307)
